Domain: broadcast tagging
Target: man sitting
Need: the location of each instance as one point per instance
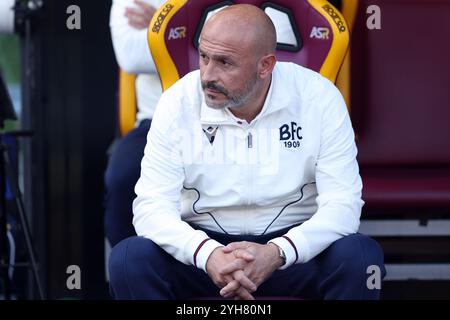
(249, 183)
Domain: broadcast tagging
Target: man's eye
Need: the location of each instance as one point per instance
(225, 63)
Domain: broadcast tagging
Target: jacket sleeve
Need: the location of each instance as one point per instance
(338, 183)
(130, 44)
(157, 206)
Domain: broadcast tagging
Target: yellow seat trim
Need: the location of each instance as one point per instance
(167, 70)
(339, 46)
(127, 102)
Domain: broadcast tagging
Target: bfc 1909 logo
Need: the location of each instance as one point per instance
(290, 135)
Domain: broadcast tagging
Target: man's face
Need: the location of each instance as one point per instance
(228, 71)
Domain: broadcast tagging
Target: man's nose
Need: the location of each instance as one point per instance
(209, 73)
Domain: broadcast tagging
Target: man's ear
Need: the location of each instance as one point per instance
(266, 65)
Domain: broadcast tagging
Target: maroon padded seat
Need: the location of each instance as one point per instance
(396, 188)
(400, 104)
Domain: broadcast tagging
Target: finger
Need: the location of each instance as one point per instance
(140, 3)
(243, 254)
(137, 25)
(230, 247)
(244, 281)
(230, 288)
(225, 280)
(239, 294)
(227, 249)
(134, 11)
(149, 10)
(243, 294)
(137, 21)
(230, 295)
(240, 280)
(237, 245)
(237, 264)
(240, 277)
(136, 15)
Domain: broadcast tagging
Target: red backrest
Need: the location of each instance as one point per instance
(400, 106)
(400, 100)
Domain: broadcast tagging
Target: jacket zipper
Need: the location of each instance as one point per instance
(249, 177)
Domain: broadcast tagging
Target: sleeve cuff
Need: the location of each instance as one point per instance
(289, 248)
(203, 251)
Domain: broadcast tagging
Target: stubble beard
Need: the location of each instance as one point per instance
(236, 101)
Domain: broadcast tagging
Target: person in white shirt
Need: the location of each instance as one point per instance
(249, 183)
(129, 20)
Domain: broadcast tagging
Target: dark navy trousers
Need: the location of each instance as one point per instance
(122, 173)
(140, 269)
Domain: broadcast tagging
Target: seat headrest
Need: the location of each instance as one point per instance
(311, 33)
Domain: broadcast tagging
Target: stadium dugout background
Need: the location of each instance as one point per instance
(395, 82)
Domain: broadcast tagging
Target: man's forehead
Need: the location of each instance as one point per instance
(227, 38)
(220, 47)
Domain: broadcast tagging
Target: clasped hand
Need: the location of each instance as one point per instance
(240, 267)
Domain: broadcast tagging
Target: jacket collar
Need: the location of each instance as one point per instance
(277, 99)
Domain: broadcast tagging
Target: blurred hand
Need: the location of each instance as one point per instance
(237, 280)
(139, 17)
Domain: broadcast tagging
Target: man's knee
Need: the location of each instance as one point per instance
(121, 180)
(131, 257)
(358, 255)
(124, 167)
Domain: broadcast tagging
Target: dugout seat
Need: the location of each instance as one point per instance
(396, 87)
(400, 108)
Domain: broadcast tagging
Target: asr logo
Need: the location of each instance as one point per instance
(320, 33)
(290, 135)
(177, 33)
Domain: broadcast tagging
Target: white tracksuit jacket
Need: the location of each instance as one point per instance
(295, 162)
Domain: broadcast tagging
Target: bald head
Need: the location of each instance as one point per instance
(236, 60)
(246, 24)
